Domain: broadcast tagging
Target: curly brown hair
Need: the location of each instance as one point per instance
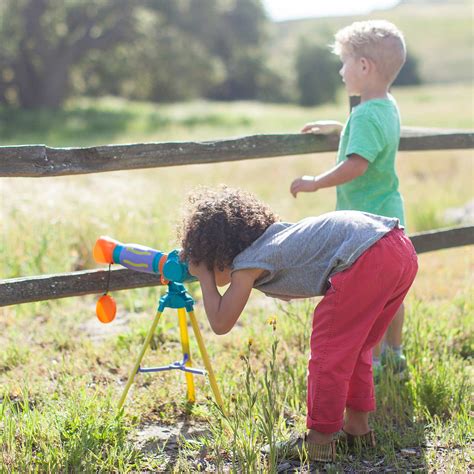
(221, 223)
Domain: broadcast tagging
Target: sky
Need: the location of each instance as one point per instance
(279, 10)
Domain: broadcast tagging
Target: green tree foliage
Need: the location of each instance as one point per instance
(42, 40)
(163, 63)
(160, 50)
(240, 48)
(317, 74)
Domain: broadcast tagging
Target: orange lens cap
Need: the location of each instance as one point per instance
(106, 309)
(104, 249)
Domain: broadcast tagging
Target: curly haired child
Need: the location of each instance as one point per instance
(363, 264)
(372, 54)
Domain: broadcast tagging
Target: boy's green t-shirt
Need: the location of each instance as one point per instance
(373, 132)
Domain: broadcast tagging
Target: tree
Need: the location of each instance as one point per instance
(241, 35)
(160, 50)
(166, 61)
(317, 74)
(45, 38)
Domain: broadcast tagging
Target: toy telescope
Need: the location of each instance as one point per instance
(143, 259)
(173, 272)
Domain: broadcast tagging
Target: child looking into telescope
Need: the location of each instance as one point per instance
(372, 54)
(361, 263)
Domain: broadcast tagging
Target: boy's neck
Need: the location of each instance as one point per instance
(374, 93)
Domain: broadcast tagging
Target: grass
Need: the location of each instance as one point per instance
(61, 372)
(88, 122)
(58, 412)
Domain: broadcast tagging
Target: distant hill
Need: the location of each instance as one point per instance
(438, 32)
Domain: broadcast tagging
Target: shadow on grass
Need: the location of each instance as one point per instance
(65, 127)
(89, 125)
(170, 439)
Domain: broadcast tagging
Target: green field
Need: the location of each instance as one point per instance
(61, 371)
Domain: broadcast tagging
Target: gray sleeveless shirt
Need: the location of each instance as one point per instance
(300, 258)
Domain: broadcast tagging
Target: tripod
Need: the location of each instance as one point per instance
(177, 298)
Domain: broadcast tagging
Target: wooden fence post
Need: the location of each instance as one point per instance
(354, 100)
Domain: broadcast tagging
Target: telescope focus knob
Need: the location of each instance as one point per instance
(176, 270)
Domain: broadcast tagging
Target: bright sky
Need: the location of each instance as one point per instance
(290, 9)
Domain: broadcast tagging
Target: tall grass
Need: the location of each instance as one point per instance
(79, 433)
(68, 421)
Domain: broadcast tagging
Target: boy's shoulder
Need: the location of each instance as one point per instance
(383, 114)
(374, 107)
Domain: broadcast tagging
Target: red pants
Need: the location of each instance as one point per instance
(348, 322)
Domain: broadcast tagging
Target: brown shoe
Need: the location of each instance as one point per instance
(366, 440)
(298, 447)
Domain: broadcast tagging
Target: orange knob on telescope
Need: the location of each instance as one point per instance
(106, 309)
(104, 249)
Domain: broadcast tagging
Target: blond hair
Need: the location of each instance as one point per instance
(377, 40)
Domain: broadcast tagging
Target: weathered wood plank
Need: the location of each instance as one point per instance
(40, 160)
(48, 287)
(443, 239)
(63, 285)
(417, 139)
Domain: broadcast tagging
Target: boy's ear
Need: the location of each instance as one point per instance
(365, 65)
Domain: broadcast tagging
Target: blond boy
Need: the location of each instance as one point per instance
(372, 54)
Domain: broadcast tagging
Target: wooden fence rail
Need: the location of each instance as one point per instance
(43, 161)
(48, 287)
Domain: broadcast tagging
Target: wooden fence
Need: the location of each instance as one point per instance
(43, 161)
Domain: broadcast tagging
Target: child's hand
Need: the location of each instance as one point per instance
(305, 184)
(323, 127)
(199, 270)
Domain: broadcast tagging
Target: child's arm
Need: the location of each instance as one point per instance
(348, 170)
(323, 127)
(223, 310)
